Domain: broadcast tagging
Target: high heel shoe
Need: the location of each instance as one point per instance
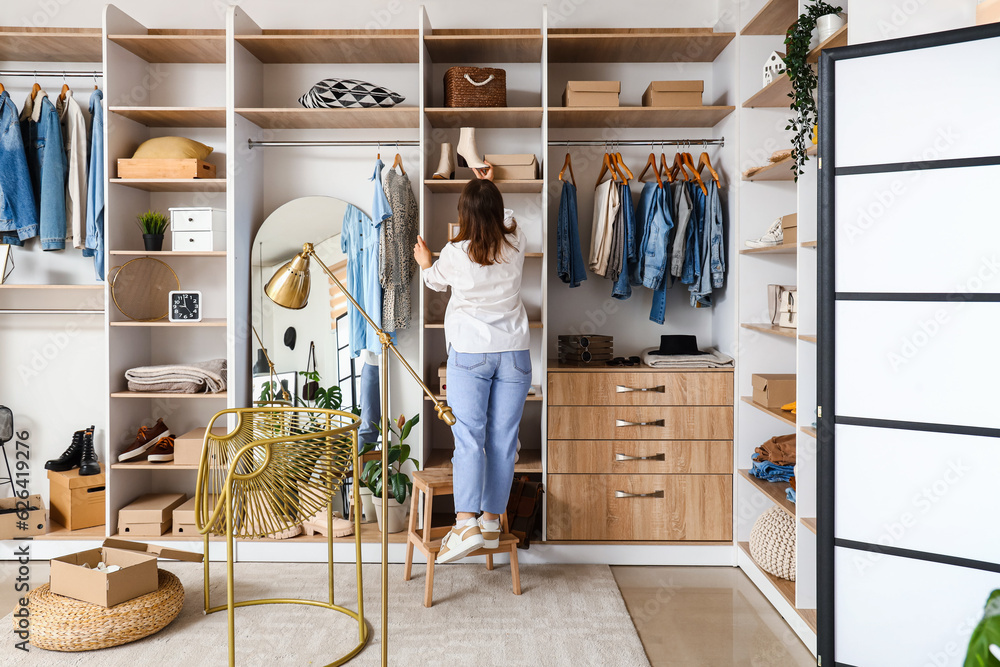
(468, 153)
(446, 167)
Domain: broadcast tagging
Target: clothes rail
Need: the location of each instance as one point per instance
(638, 142)
(87, 74)
(378, 144)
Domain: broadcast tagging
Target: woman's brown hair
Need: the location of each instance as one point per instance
(480, 220)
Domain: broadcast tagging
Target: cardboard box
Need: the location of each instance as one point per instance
(76, 501)
(138, 575)
(187, 447)
(772, 390)
(150, 515)
(591, 93)
(184, 522)
(164, 168)
(790, 228)
(673, 94)
(516, 167)
(18, 520)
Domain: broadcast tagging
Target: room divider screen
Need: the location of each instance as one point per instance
(909, 374)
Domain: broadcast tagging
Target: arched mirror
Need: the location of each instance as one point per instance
(286, 334)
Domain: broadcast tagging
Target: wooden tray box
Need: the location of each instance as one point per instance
(165, 168)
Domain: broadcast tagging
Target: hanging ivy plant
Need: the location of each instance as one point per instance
(803, 79)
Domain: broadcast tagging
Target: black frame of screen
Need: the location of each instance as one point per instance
(827, 542)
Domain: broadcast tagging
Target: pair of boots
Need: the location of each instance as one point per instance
(80, 454)
(468, 155)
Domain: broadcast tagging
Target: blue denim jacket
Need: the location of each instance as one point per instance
(54, 170)
(94, 244)
(712, 251)
(654, 208)
(571, 268)
(695, 237)
(18, 215)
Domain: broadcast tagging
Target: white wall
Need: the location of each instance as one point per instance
(875, 20)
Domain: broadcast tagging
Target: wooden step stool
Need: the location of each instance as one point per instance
(438, 481)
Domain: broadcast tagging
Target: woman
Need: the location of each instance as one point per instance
(489, 365)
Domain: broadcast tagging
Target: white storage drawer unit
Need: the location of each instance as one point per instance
(198, 228)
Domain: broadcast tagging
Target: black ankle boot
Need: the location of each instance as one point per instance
(88, 459)
(70, 458)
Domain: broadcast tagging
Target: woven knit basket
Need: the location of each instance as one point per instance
(60, 623)
(475, 87)
(772, 543)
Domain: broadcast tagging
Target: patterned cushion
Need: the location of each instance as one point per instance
(348, 94)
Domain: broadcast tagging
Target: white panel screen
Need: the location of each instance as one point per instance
(922, 104)
(905, 232)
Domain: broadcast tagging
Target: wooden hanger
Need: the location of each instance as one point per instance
(398, 162)
(689, 161)
(678, 168)
(705, 161)
(568, 164)
(664, 168)
(34, 91)
(62, 94)
(1, 88)
(607, 164)
(623, 169)
(651, 162)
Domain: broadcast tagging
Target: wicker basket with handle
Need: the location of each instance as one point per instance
(475, 87)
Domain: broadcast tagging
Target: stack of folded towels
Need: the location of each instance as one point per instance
(199, 377)
(774, 461)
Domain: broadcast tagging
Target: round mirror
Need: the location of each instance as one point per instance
(286, 334)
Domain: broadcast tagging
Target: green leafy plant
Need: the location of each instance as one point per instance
(400, 485)
(326, 398)
(804, 81)
(152, 222)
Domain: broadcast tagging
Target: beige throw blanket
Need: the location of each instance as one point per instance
(199, 377)
(713, 359)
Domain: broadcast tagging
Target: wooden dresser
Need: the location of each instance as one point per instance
(639, 454)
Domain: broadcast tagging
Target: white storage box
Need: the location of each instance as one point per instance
(198, 228)
(201, 241)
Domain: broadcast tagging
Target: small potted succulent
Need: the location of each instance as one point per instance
(399, 485)
(153, 224)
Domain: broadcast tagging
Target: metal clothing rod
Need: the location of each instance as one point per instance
(47, 311)
(638, 142)
(51, 72)
(278, 144)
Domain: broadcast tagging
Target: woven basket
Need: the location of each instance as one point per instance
(475, 87)
(60, 623)
(772, 543)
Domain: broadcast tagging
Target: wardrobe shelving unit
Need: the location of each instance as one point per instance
(773, 18)
(174, 117)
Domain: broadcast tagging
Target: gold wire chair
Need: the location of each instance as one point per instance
(278, 467)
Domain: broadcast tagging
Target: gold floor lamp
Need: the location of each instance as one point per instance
(289, 288)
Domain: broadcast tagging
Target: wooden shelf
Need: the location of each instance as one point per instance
(176, 46)
(207, 322)
(603, 117)
(773, 95)
(455, 186)
(169, 253)
(775, 491)
(785, 588)
(524, 117)
(772, 329)
(529, 460)
(809, 244)
(58, 532)
(173, 184)
(333, 46)
(807, 338)
(147, 465)
(778, 171)
(783, 249)
(777, 413)
(809, 523)
(174, 116)
(834, 41)
(349, 119)
(484, 46)
(773, 18)
(533, 324)
(10, 286)
(369, 535)
(536, 255)
(159, 394)
(809, 430)
(62, 45)
(444, 399)
(636, 45)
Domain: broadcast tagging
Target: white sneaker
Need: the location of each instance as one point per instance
(491, 533)
(774, 236)
(460, 541)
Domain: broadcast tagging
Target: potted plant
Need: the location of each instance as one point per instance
(399, 485)
(152, 224)
(803, 77)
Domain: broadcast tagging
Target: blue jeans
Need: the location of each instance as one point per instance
(18, 214)
(571, 268)
(371, 406)
(486, 392)
(623, 286)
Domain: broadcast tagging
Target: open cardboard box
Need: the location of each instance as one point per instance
(137, 576)
(15, 511)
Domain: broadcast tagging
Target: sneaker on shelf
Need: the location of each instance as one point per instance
(460, 541)
(162, 451)
(491, 532)
(70, 458)
(88, 457)
(144, 440)
(774, 236)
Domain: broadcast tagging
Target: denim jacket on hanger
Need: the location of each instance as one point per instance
(653, 207)
(52, 160)
(18, 216)
(94, 243)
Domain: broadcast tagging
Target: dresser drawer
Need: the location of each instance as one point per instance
(645, 388)
(640, 507)
(641, 423)
(640, 456)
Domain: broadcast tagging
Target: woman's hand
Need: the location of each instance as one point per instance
(422, 254)
(484, 174)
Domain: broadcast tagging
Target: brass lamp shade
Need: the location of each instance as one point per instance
(289, 286)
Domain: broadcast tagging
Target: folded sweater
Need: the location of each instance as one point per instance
(199, 377)
(713, 359)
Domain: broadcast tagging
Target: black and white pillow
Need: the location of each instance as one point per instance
(348, 94)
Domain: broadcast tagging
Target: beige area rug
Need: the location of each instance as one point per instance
(567, 615)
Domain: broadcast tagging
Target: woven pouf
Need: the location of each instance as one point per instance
(60, 623)
(772, 543)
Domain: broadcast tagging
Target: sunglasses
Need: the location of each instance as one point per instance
(622, 361)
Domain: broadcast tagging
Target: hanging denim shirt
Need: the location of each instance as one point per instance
(667, 200)
(18, 217)
(654, 208)
(623, 286)
(52, 160)
(94, 243)
(571, 268)
(713, 267)
(359, 240)
(29, 138)
(380, 203)
(682, 208)
(695, 233)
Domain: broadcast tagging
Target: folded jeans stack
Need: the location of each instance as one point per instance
(774, 460)
(195, 378)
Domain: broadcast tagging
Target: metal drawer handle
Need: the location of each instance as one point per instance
(622, 389)
(626, 494)
(622, 422)
(653, 457)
